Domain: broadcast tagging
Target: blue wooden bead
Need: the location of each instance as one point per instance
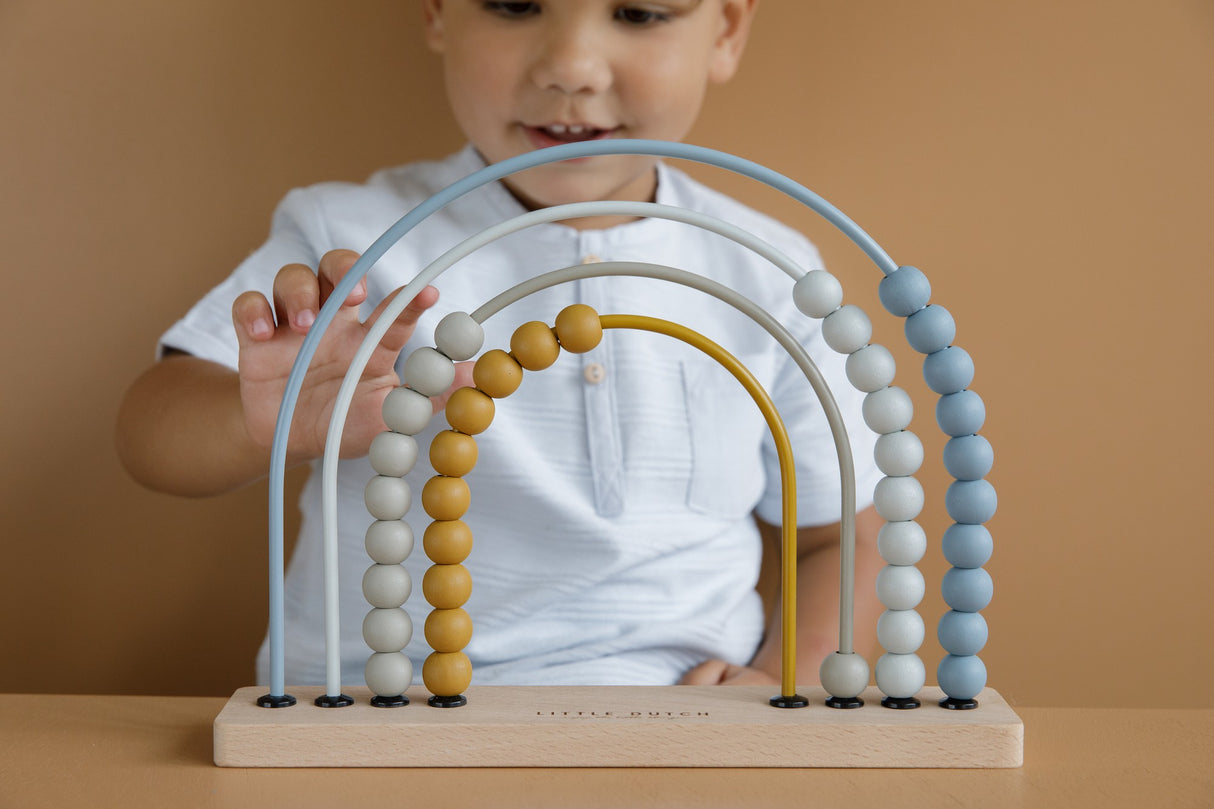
(904, 291)
(961, 413)
(966, 589)
(962, 633)
(817, 293)
(967, 546)
(930, 329)
(972, 502)
(948, 370)
(968, 457)
(961, 677)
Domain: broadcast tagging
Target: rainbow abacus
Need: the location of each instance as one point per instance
(904, 291)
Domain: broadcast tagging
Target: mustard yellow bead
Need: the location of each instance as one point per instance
(448, 630)
(447, 586)
(578, 328)
(470, 411)
(447, 674)
(497, 374)
(453, 453)
(534, 346)
(446, 498)
(447, 542)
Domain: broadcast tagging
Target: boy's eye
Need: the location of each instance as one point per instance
(639, 16)
(508, 9)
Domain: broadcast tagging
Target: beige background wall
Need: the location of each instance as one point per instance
(1049, 164)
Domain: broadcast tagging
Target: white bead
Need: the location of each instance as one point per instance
(389, 542)
(817, 293)
(843, 675)
(407, 411)
(902, 543)
(387, 498)
(898, 499)
(388, 674)
(458, 336)
(428, 372)
(900, 587)
(387, 586)
(900, 675)
(847, 329)
(387, 630)
(888, 410)
(899, 454)
(900, 631)
(393, 454)
(871, 368)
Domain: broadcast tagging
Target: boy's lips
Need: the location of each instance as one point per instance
(555, 134)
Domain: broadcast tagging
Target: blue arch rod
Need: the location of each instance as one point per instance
(486, 175)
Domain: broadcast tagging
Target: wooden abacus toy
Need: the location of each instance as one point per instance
(961, 723)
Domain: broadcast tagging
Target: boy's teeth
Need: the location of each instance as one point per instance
(561, 130)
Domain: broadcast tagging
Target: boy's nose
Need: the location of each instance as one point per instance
(572, 63)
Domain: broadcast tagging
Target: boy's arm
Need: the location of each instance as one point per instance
(192, 427)
(181, 429)
(817, 606)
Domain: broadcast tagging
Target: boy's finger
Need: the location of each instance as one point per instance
(334, 265)
(253, 318)
(402, 329)
(296, 297)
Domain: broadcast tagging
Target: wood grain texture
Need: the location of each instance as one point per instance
(618, 726)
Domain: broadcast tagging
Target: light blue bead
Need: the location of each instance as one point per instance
(968, 457)
(967, 589)
(948, 370)
(961, 677)
(904, 291)
(967, 546)
(962, 633)
(930, 329)
(961, 413)
(902, 543)
(817, 293)
(972, 502)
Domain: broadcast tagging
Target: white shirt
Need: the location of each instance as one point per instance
(612, 498)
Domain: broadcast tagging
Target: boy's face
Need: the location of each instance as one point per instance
(524, 75)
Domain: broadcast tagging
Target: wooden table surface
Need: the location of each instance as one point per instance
(103, 751)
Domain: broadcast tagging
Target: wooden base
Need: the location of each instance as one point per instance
(616, 726)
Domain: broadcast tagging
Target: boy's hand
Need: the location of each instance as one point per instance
(268, 347)
(718, 672)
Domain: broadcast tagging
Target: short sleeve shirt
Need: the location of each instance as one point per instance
(614, 493)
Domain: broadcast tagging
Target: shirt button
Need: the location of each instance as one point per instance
(591, 258)
(594, 373)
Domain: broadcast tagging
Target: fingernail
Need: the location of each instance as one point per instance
(305, 318)
(261, 328)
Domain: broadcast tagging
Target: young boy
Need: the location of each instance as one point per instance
(615, 497)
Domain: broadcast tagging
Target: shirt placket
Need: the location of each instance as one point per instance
(599, 390)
